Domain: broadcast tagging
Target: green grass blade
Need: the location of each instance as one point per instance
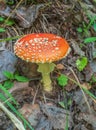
(13, 118)
(66, 127)
(15, 111)
(89, 93)
(89, 39)
(8, 94)
(10, 38)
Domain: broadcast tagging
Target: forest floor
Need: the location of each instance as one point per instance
(72, 103)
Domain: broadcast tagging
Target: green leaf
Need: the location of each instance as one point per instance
(62, 104)
(2, 30)
(62, 80)
(10, 2)
(93, 78)
(8, 84)
(2, 19)
(8, 74)
(67, 122)
(90, 39)
(21, 78)
(94, 26)
(10, 22)
(81, 63)
(79, 30)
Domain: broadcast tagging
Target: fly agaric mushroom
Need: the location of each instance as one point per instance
(43, 49)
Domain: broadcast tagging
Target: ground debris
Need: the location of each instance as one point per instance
(93, 65)
(44, 124)
(31, 112)
(7, 63)
(57, 116)
(24, 15)
(4, 120)
(86, 119)
(27, 16)
(76, 48)
(89, 118)
(80, 101)
(46, 116)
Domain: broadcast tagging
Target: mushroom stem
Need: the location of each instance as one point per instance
(47, 82)
(45, 69)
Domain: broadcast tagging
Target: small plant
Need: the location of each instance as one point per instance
(2, 30)
(8, 22)
(62, 80)
(93, 79)
(81, 63)
(84, 28)
(10, 38)
(11, 77)
(10, 2)
(63, 104)
(2, 19)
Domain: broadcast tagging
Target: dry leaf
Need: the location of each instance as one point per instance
(18, 86)
(31, 113)
(86, 86)
(60, 66)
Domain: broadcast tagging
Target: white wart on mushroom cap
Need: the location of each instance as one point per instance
(41, 48)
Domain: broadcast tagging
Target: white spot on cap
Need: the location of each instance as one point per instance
(26, 44)
(53, 50)
(56, 48)
(31, 41)
(33, 44)
(54, 41)
(54, 44)
(19, 43)
(39, 50)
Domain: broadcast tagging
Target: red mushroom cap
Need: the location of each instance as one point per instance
(41, 48)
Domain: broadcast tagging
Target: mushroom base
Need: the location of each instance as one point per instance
(45, 69)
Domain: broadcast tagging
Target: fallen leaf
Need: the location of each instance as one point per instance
(60, 66)
(31, 112)
(76, 48)
(18, 86)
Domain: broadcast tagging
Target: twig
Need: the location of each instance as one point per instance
(35, 94)
(44, 98)
(80, 88)
(12, 12)
(13, 118)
